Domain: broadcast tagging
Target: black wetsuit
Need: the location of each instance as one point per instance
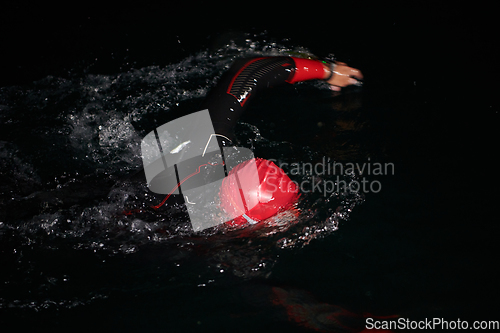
(239, 85)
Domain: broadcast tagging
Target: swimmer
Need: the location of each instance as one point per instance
(243, 199)
(226, 102)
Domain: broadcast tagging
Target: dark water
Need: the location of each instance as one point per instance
(71, 127)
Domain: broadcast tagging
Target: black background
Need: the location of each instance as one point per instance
(430, 77)
(428, 39)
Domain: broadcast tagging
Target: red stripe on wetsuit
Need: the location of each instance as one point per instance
(229, 99)
(304, 69)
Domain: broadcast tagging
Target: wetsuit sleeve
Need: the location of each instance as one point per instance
(307, 69)
(239, 85)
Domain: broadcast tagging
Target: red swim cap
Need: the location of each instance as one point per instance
(256, 188)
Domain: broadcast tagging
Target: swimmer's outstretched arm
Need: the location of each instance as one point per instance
(337, 74)
(237, 87)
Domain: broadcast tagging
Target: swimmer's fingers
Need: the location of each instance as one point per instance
(342, 80)
(356, 73)
(343, 69)
(344, 75)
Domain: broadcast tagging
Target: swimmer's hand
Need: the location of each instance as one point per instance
(343, 76)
